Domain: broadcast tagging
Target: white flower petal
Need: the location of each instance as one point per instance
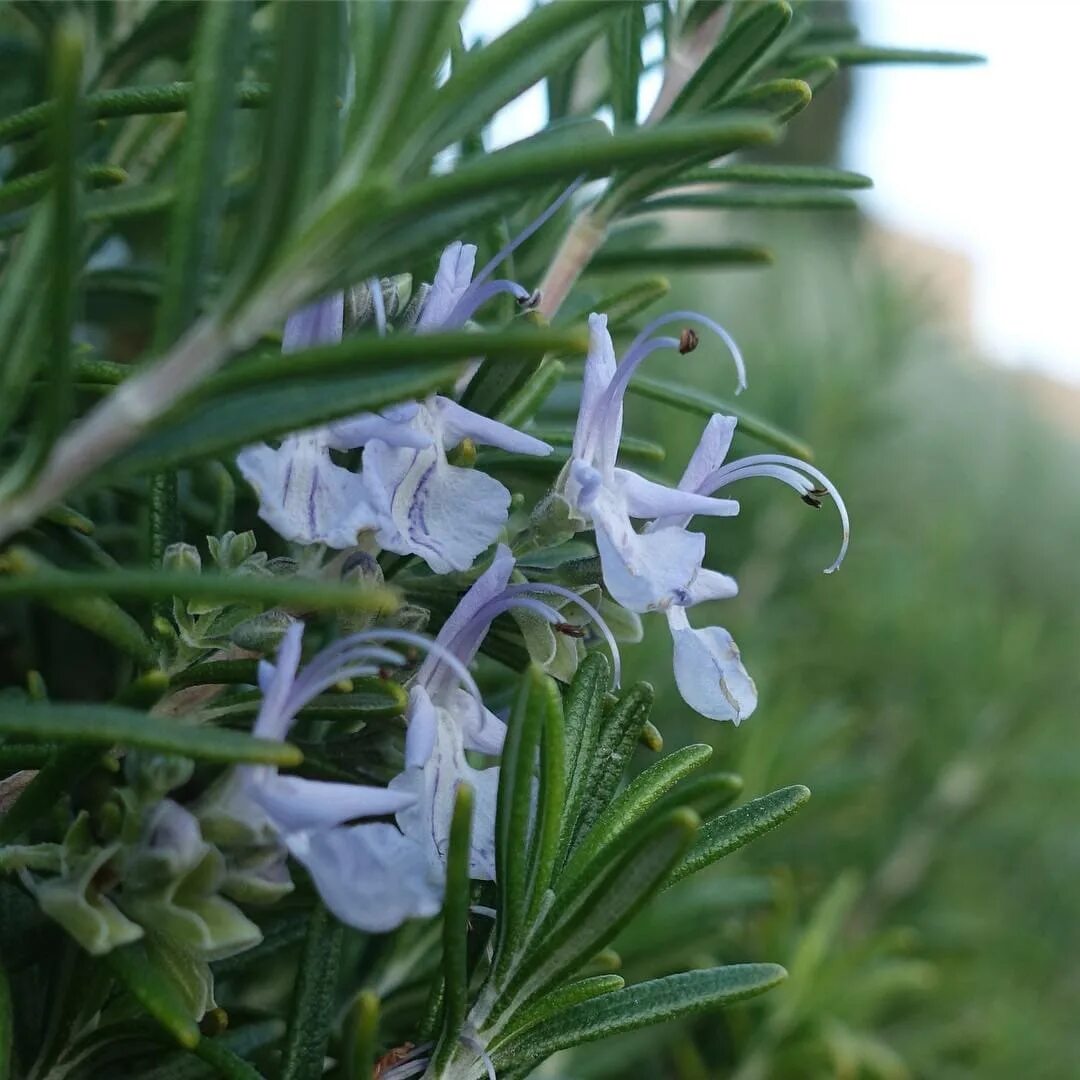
(422, 730)
(396, 430)
(647, 499)
(303, 495)
(459, 423)
(445, 514)
(370, 876)
(710, 585)
(708, 671)
(599, 371)
(451, 280)
(645, 571)
(710, 452)
(320, 323)
(295, 804)
(481, 729)
(275, 682)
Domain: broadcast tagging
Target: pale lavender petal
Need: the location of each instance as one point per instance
(445, 514)
(451, 280)
(647, 499)
(275, 682)
(370, 876)
(397, 430)
(709, 585)
(320, 323)
(481, 730)
(303, 495)
(294, 803)
(708, 671)
(646, 571)
(600, 368)
(423, 727)
(710, 452)
(460, 423)
(486, 587)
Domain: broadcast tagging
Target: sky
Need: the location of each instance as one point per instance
(983, 160)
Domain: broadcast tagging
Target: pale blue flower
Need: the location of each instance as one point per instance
(642, 571)
(303, 495)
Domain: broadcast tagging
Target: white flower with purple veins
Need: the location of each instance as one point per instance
(303, 495)
(650, 570)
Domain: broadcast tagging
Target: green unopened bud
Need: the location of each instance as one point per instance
(153, 775)
(231, 550)
(182, 558)
(553, 522)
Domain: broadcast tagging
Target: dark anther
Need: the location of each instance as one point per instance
(528, 301)
(569, 629)
(812, 498)
(688, 341)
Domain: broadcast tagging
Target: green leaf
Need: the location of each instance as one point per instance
(108, 725)
(526, 403)
(849, 53)
(821, 176)
(408, 47)
(625, 63)
(455, 927)
(496, 383)
(704, 404)
(626, 875)
(29, 575)
(488, 78)
(551, 797)
(304, 34)
(29, 187)
(639, 1006)
(619, 735)
(225, 1053)
(200, 185)
(294, 592)
(366, 353)
(513, 815)
(234, 420)
(782, 99)
(7, 1027)
(154, 991)
(736, 828)
(21, 307)
(675, 259)
(128, 101)
(363, 1029)
(314, 997)
(558, 1001)
(583, 711)
(630, 807)
(375, 225)
(744, 40)
(748, 200)
(631, 447)
(623, 305)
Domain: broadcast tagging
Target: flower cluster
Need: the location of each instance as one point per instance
(377, 854)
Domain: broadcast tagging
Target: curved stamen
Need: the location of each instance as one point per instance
(528, 231)
(363, 654)
(475, 296)
(375, 285)
(695, 316)
(594, 615)
(788, 470)
(605, 418)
